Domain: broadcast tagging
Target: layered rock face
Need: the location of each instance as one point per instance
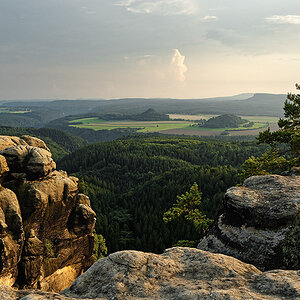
(179, 273)
(260, 223)
(46, 227)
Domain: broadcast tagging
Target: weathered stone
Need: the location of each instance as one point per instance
(181, 273)
(33, 161)
(11, 236)
(35, 142)
(56, 244)
(82, 219)
(10, 141)
(7, 293)
(3, 167)
(256, 220)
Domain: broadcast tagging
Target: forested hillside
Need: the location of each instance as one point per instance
(133, 181)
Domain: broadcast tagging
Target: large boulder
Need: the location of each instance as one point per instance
(260, 223)
(24, 140)
(34, 162)
(179, 273)
(46, 226)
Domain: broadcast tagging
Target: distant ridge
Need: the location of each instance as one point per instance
(256, 104)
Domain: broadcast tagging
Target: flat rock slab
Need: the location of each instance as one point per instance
(181, 273)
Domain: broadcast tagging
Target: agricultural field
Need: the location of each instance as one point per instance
(175, 126)
(141, 126)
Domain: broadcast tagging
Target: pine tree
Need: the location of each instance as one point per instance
(285, 143)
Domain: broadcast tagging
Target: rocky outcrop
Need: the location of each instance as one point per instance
(260, 223)
(179, 273)
(46, 226)
(46, 239)
(11, 236)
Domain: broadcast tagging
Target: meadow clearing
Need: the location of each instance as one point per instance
(178, 124)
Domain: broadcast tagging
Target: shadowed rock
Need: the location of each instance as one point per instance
(11, 236)
(257, 222)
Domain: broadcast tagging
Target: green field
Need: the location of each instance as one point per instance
(153, 126)
(143, 126)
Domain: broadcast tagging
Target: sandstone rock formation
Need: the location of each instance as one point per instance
(258, 222)
(179, 273)
(46, 227)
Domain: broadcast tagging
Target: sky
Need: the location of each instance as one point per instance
(106, 49)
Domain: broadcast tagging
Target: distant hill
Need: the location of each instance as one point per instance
(148, 115)
(35, 117)
(225, 121)
(245, 104)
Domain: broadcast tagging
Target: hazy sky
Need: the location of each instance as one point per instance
(142, 48)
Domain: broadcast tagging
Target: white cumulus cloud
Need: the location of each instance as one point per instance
(178, 65)
(164, 7)
(209, 18)
(288, 19)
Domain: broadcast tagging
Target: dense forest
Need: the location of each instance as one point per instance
(133, 181)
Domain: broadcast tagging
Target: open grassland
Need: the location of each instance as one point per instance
(143, 126)
(175, 126)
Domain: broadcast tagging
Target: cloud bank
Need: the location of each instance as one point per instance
(288, 19)
(178, 64)
(164, 7)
